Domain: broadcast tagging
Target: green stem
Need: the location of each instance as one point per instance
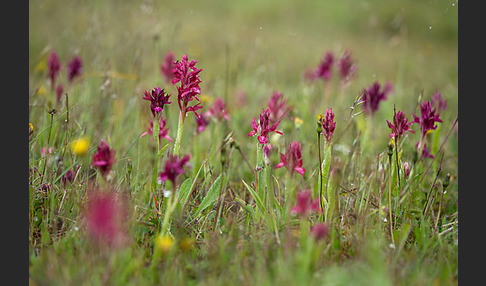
(155, 133)
(390, 201)
(177, 144)
(260, 166)
(172, 202)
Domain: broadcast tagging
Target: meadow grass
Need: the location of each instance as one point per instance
(227, 218)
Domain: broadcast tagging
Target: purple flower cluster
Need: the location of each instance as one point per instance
(218, 110)
(278, 107)
(167, 66)
(263, 127)
(53, 67)
(399, 126)
(163, 131)
(427, 119)
(305, 204)
(328, 124)
(158, 98)
(187, 75)
(292, 159)
(373, 95)
(174, 166)
(347, 67)
(74, 68)
(104, 158)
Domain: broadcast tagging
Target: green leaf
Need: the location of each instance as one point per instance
(257, 198)
(210, 197)
(185, 191)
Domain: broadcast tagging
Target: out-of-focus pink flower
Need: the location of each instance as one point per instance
(174, 166)
(263, 127)
(406, 168)
(324, 69)
(104, 215)
(347, 68)
(67, 177)
(59, 91)
(305, 204)
(373, 95)
(74, 68)
(438, 102)
(201, 122)
(278, 107)
(218, 110)
(163, 131)
(104, 158)
(53, 68)
(158, 98)
(187, 75)
(45, 151)
(167, 66)
(328, 124)
(319, 231)
(399, 126)
(292, 159)
(426, 153)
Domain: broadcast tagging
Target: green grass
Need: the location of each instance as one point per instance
(256, 47)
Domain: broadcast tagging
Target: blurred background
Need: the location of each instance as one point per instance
(252, 47)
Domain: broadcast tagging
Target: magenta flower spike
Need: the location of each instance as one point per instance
(74, 68)
(104, 158)
(399, 126)
(427, 118)
(167, 66)
(187, 75)
(158, 98)
(218, 110)
(278, 107)
(263, 127)
(292, 159)
(53, 68)
(305, 204)
(163, 131)
(347, 68)
(373, 95)
(324, 69)
(328, 125)
(174, 166)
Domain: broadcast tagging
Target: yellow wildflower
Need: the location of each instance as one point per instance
(80, 146)
(164, 243)
(31, 128)
(298, 122)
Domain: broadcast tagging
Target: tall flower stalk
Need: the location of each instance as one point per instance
(399, 127)
(262, 129)
(427, 120)
(187, 76)
(327, 127)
